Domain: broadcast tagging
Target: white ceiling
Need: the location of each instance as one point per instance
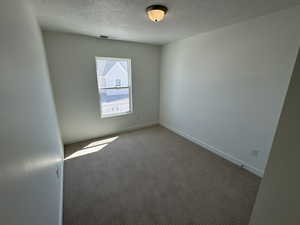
(126, 19)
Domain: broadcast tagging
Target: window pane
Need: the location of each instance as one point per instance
(112, 73)
(113, 76)
(114, 101)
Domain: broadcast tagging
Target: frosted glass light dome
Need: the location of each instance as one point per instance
(156, 13)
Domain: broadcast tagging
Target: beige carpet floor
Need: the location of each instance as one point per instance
(153, 176)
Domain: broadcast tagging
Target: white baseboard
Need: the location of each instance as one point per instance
(218, 152)
(126, 129)
(137, 127)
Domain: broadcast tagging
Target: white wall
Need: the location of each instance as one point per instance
(31, 150)
(225, 89)
(278, 198)
(73, 74)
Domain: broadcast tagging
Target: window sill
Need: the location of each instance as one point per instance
(115, 115)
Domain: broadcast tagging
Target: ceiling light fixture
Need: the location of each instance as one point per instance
(156, 13)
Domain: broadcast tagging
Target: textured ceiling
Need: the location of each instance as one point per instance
(126, 19)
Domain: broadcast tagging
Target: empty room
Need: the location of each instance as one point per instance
(126, 112)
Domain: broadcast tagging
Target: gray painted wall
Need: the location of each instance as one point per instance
(71, 61)
(31, 149)
(278, 199)
(225, 89)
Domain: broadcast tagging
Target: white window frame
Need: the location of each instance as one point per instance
(129, 86)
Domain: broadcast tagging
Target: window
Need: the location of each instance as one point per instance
(118, 82)
(114, 85)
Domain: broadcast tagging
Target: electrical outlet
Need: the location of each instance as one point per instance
(57, 172)
(255, 153)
